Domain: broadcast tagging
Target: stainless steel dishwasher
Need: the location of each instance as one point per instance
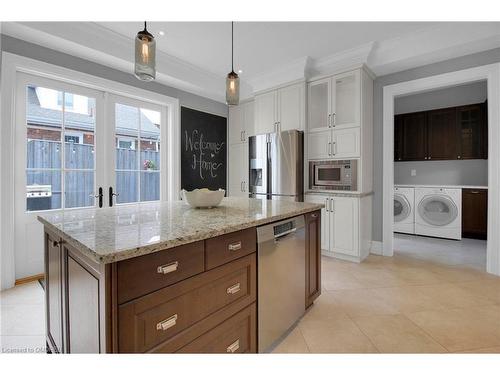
(281, 278)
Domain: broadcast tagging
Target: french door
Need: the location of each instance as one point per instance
(79, 148)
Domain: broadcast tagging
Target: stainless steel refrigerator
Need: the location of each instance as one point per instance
(276, 168)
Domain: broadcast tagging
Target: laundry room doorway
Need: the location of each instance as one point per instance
(441, 173)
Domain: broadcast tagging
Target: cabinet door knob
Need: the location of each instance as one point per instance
(56, 243)
(314, 215)
(234, 246)
(168, 268)
(233, 289)
(167, 323)
(233, 347)
(458, 157)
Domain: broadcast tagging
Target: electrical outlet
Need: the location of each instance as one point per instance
(413, 172)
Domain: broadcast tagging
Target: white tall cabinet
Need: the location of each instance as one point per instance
(240, 127)
(340, 127)
(280, 109)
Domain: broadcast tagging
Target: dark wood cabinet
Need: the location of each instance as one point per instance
(313, 257)
(414, 136)
(441, 134)
(398, 137)
(472, 129)
(54, 293)
(475, 213)
(453, 133)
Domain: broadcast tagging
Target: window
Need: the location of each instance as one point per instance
(68, 100)
(58, 174)
(126, 143)
(70, 137)
(137, 155)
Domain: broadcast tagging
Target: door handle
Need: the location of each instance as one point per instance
(98, 196)
(111, 195)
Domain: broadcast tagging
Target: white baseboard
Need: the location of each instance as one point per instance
(376, 248)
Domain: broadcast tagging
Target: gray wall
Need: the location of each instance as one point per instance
(464, 62)
(442, 172)
(449, 172)
(34, 51)
(449, 97)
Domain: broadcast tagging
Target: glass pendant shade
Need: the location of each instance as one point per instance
(145, 56)
(232, 89)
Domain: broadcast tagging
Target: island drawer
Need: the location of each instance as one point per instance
(163, 315)
(145, 274)
(228, 247)
(238, 334)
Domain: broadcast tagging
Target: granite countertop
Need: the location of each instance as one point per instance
(442, 186)
(109, 235)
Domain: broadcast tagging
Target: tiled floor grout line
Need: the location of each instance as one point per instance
(368, 337)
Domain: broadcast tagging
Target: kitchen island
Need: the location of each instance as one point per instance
(163, 277)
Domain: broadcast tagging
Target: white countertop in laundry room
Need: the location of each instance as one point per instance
(441, 186)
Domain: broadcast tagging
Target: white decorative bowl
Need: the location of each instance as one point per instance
(203, 198)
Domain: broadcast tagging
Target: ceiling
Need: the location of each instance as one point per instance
(196, 56)
(262, 46)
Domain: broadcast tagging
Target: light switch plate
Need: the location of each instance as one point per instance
(413, 172)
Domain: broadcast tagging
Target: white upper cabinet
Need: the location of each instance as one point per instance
(345, 143)
(265, 112)
(319, 104)
(346, 99)
(291, 107)
(319, 144)
(241, 123)
(235, 124)
(335, 102)
(280, 110)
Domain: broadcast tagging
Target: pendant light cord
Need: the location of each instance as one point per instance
(232, 46)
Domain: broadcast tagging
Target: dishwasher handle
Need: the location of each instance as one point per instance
(277, 237)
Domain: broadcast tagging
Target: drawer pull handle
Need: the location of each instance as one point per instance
(234, 246)
(167, 268)
(167, 323)
(233, 347)
(233, 289)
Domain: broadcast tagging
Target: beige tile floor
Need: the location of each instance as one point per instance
(411, 303)
(415, 302)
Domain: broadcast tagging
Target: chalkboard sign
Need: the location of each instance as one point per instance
(203, 150)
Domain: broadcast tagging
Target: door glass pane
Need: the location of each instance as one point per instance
(79, 131)
(137, 135)
(53, 116)
(150, 186)
(78, 189)
(318, 105)
(127, 186)
(43, 190)
(345, 100)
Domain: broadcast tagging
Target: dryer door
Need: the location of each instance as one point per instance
(437, 210)
(402, 208)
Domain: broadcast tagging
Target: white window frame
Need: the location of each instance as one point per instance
(11, 65)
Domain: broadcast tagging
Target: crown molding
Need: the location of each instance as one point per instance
(294, 71)
(96, 43)
(433, 44)
(341, 61)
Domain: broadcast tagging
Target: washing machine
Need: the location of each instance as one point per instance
(404, 213)
(438, 212)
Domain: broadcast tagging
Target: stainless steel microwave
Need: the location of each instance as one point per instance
(333, 175)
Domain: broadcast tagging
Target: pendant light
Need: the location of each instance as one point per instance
(145, 55)
(232, 80)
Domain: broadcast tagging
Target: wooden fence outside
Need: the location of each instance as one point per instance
(44, 168)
